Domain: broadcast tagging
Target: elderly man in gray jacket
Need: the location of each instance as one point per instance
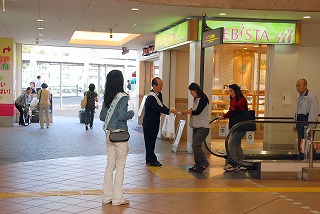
(307, 109)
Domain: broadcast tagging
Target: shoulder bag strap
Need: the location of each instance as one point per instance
(111, 109)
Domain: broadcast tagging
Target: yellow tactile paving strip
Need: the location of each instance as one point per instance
(170, 172)
(160, 191)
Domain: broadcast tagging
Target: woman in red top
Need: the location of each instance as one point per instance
(238, 103)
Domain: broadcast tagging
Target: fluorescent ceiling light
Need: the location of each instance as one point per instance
(222, 14)
(39, 20)
(134, 9)
(306, 17)
(101, 38)
(40, 28)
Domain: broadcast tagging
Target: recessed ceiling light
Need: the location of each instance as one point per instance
(222, 14)
(39, 20)
(134, 9)
(306, 17)
(40, 34)
(40, 28)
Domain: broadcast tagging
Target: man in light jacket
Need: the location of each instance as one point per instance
(307, 109)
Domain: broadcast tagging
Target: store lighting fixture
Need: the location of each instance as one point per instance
(222, 14)
(3, 5)
(39, 41)
(134, 9)
(307, 17)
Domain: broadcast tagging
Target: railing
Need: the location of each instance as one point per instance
(269, 120)
(310, 135)
(274, 130)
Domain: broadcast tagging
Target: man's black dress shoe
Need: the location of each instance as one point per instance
(157, 163)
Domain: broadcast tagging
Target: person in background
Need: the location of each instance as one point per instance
(238, 103)
(307, 109)
(116, 152)
(92, 98)
(21, 102)
(151, 121)
(32, 86)
(128, 87)
(38, 83)
(44, 101)
(201, 127)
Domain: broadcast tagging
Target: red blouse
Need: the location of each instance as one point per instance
(240, 105)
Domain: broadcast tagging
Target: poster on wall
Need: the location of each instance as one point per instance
(6, 71)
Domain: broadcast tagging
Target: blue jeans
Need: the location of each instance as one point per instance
(199, 136)
(235, 150)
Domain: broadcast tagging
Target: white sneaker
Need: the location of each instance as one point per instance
(124, 202)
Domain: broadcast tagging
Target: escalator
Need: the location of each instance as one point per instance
(277, 131)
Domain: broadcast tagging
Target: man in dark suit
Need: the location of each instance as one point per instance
(151, 121)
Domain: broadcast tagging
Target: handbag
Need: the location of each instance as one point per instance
(240, 116)
(119, 136)
(38, 104)
(83, 102)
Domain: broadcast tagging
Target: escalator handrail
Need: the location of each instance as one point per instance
(216, 153)
(224, 155)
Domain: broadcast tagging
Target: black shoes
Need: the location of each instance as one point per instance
(87, 127)
(156, 163)
(198, 169)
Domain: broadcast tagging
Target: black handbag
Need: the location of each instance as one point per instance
(119, 136)
(240, 116)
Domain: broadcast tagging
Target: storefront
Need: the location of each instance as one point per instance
(246, 57)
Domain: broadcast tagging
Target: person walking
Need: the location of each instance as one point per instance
(200, 124)
(307, 109)
(23, 101)
(151, 121)
(116, 152)
(92, 98)
(44, 101)
(38, 83)
(238, 105)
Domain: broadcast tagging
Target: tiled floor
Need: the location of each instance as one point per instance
(74, 184)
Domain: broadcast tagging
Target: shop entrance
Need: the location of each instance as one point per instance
(245, 65)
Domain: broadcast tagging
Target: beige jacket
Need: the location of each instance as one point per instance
(45, 97)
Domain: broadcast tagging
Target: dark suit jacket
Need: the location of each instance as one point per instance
(152, 112)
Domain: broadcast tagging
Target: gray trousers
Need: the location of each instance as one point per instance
(199, 136)
(235, 150)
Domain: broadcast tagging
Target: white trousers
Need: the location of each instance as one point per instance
(116, 156)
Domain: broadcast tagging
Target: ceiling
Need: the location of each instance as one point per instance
(63, 17)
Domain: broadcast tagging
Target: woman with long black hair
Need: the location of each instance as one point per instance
(117, 116)
(238, 103)
(200, 125)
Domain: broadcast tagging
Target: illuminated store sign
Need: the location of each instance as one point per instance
(177, 35)
(256, 32)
